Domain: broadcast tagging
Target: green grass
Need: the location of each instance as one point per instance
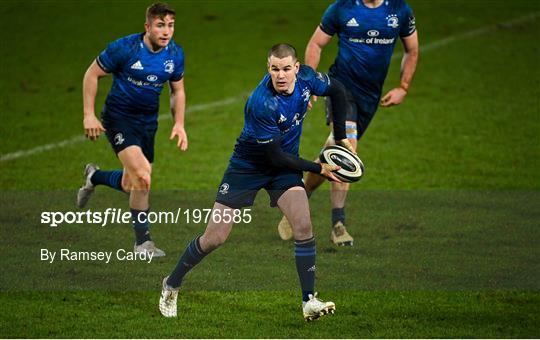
(445, 220)
(269, 314)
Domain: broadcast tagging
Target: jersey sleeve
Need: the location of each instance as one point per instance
(318, 82)
(264, 119)
(112, 58)
(408, 21)
(178, 72)
(330, 23)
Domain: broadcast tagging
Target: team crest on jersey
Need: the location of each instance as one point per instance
(306, 94)
(393, 21)
(224, 189)
(118, 139)
(169, 66)
(296, 119)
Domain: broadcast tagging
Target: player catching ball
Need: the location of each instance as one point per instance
(266, 156)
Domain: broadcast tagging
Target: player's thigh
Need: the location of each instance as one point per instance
(295, 206)
(134, 162)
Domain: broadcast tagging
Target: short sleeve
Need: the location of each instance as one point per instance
(178, 72)
(264, 119)
(408, 23)
(330, 23)
(112, 58)
(318, 82)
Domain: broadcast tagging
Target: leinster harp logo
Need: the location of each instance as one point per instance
(392, 21)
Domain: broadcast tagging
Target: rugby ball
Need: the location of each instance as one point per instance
(352, 167)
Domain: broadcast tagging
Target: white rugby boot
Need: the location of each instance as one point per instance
(167, 300)
(88, 188)
(149, 247)
(284, 229)
(315, 308)
(340, 236)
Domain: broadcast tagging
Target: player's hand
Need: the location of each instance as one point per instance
(346, 144)
(179, 131)
(92, 127)
(394, 97)
(310, 104)
(327, 171)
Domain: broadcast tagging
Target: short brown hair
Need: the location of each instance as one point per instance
(282, 51)
(159, 10)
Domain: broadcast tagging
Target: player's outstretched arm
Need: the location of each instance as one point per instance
(92, 125)
(178, 109)
(281, 159)
(408, 68)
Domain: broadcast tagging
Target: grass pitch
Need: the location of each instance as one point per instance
(445, 220)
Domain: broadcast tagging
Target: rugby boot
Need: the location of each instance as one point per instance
(340, 236)
(87, 189)
(149, 247)
(315, 308)
(284, 229)
(167, 300)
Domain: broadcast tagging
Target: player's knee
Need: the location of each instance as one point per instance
(141, 179)
(302, 227)
(126, 182)
(340, 186)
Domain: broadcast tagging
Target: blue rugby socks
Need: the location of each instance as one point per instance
(141, 225)
(305, 252)
(338, 214)
(111, 179)
(191, 257)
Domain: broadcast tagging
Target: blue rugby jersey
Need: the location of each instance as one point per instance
(367, 37)
(138, 76)
(269, 115)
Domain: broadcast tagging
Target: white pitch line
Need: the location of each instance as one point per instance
(81, 138)
(231, 100)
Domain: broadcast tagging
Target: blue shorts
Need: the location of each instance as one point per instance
(359, 111)
(123, 133)
(239, 186)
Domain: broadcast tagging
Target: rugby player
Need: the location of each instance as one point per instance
(266, 156)
(140, 64)
(367, 31)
